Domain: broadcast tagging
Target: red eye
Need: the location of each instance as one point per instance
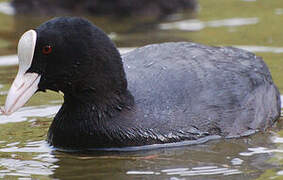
(47, 49)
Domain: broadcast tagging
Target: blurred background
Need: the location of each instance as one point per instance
(254, 25)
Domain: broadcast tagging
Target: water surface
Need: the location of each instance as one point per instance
(255, 25)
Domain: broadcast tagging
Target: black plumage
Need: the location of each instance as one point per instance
(156, 94)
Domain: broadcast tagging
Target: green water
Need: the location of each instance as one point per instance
(253, 25)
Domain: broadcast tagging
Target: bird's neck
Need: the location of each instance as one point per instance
(80, 124)
(102, 103)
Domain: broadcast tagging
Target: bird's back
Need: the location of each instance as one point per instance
(187, 89)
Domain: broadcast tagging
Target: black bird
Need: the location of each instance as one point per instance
(158, 8)
(157, 94)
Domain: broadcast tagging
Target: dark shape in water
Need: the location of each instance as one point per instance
(104, 7)
(173, 92)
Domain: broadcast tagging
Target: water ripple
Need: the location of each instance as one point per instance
(8, 60)
(275, 50)
(16, 167)
(260, 150)
(195, 171)
(36, 146)
(197, 25)
(6, 8)
(41, 164)
(237, 161)
(277, 140)
(31, 111)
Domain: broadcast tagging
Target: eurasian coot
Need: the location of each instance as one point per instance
(157, 94)
(106, 7)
